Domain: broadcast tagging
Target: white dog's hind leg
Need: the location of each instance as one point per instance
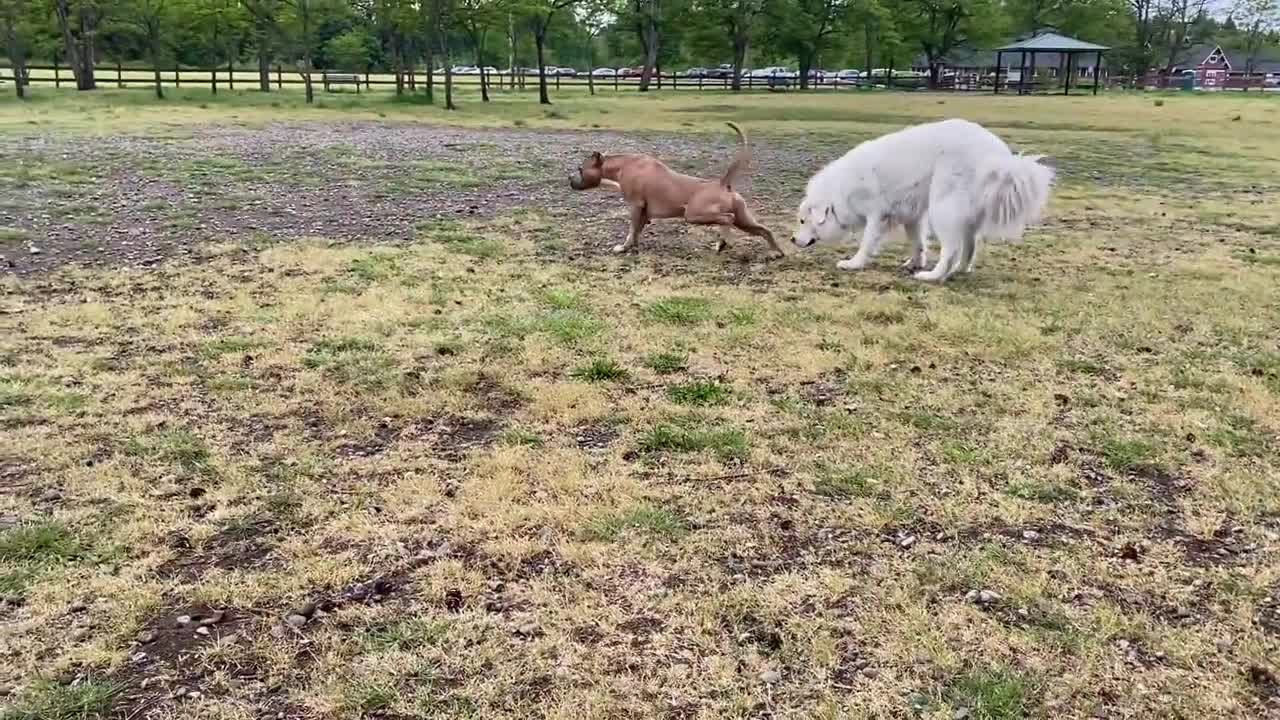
(973, 255)
(919, 246)
(871, 235)
(949, 221)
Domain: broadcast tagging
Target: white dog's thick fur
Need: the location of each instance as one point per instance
(954, 177)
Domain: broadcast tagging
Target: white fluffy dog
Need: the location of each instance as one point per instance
(955, 175)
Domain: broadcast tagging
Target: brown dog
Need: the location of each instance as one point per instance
(655, 191)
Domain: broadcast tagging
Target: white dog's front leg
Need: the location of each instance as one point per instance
(919, 246)
(871, 236)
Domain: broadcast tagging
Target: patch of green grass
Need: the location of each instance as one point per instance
(958, 452)
(700, 393)
(561, 299)
(571, 327)
(406, 635)
(689, 435)
(228, 345)
(371, 698)
(44, 543)
(1084, 366)
(460, 239)
(680, 310)
(66, 402)
(178, 447)
(1250, 258)
(1240, 435)
(996, 693)
(353, 361)
(741, 316)
(1123, 454)
(16, 391)
(48, 700)
(520, 437)
(9, 235)
(600, 370)
(229, 383)
(842, 483)
(929, 422)
(667, 362)
(1042, 491)
(374, 267)
(646, 519)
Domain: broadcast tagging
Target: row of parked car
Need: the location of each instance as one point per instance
(774, 75)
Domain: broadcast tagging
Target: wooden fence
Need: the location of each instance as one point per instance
(135, 77)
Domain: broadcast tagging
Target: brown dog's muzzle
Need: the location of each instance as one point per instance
(575, 181)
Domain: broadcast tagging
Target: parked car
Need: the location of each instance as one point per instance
(776, 76)
(490, 70)
(724, 70)
(631, 72)
(696, 72)
(566, 71)
(464, 70)
(604, 72)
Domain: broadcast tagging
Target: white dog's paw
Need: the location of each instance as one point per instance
(620, 248)
(915, 263)
(851, 264)
(930, 276)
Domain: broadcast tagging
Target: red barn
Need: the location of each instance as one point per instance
(1216, 68)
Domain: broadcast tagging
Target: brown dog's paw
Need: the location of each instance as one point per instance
(774, 255)
(721, 245)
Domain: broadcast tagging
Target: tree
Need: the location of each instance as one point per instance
(807, 28)
(151, 18)
(15, 31)
(476, 17)
(1171, 23)
(349, 50)
(266, 31)
(305, 20)
(541, 13)
(78, 20)
(594, 17)
(1259, 20)
(439, 20)
(940, 26)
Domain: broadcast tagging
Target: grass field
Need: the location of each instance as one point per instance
(346, 412)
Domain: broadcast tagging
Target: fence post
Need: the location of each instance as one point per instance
(119, 75)
(279, 78)
(213, 80)
(57, 78)
(231, 75)
(366, 81)
(177, 77)
(557, 79)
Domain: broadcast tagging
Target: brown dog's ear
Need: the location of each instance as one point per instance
(597, 158)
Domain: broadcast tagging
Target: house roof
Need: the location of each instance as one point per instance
(1265, 62)
(1052, 42)
(965, 57)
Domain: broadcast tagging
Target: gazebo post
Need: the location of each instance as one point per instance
(1033, 74)
(1097, 71)
(1022, 74)
(1066, 75)
(999, 64)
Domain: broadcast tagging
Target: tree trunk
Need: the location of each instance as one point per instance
(511, 55)
(155, 66)
(539, 39)
(448, 72)
(484, 85)
(264, 58)
(806, 62)
(19, 61)
(868, 39)
(79, 49)
(591, 66)
(740, 42)
(649, 41)
(431, 78)
(397, 62)
(935, 73)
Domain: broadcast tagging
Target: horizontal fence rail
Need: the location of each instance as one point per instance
(279, 78)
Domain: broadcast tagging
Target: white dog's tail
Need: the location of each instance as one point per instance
(1012, 192)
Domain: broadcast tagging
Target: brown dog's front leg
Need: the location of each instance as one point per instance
(639, 218)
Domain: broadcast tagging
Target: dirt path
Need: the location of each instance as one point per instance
(136, 201)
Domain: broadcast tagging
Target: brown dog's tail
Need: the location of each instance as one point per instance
(741, 164)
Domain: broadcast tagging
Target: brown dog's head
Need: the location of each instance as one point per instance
(590, 174)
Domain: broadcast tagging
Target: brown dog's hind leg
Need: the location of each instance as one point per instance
(639, 218)
(747, 223)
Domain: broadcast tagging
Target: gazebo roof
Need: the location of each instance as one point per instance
(1052, 42)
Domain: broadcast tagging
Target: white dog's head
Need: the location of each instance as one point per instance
(821, 221)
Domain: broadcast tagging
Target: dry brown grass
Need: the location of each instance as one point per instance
(520, 483)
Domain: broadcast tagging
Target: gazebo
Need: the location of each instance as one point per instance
(1048, 41)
